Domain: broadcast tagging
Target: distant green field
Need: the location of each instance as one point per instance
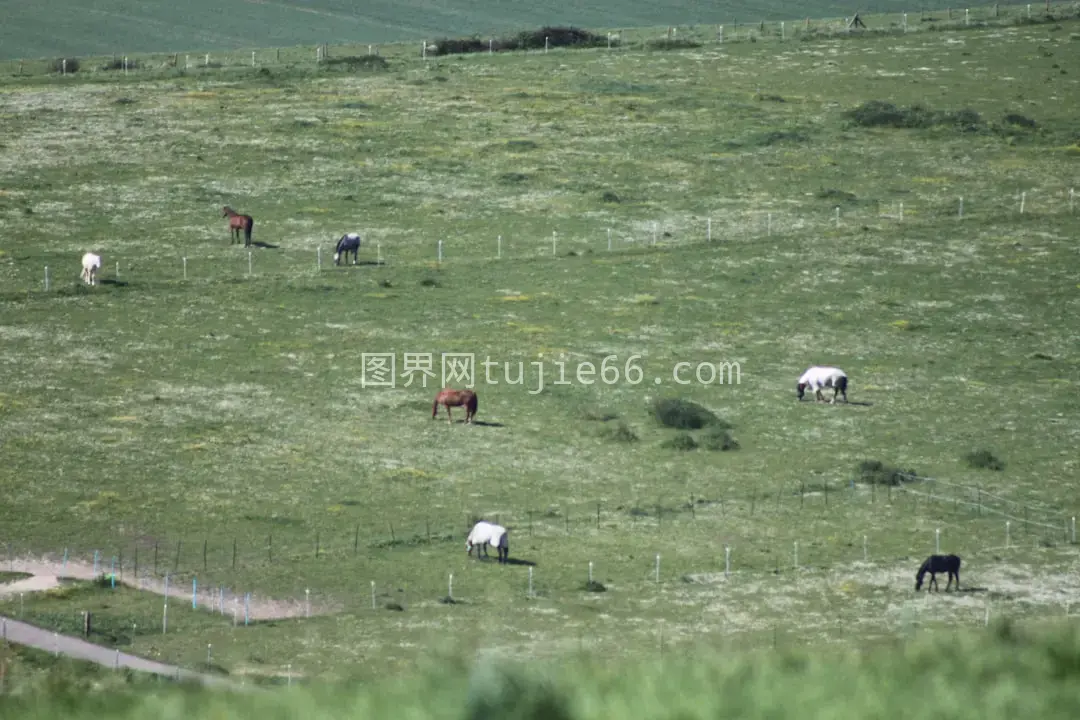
(203, 413)
(66, 28)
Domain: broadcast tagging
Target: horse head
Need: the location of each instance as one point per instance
(800, 390)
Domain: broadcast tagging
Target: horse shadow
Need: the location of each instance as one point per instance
(509, 561)
(972, 590)
(516, 561)
(264, 245)
(862, 403)
(481, 423)
(113, 281)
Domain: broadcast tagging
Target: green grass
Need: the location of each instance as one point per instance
(154, 416)
(63, 28)
(985, 675)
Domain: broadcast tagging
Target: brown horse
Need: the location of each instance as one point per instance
(238, 222)
(456, 398)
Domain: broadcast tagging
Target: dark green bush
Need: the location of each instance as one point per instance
(682, 441)
(719, 439)
(527, 40)
(355, 63)
(876, 472)
(878, 113)
(684, 414)
(984, 460)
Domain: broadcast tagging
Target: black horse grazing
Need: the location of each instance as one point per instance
(937, 564)
(349, 242)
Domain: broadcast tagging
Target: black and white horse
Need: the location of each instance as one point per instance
(939, 564)
(349, 242)
(819, 378)
(484, 534)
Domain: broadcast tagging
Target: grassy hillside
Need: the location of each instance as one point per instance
(65, 28)
(202, 411)
(984, 676)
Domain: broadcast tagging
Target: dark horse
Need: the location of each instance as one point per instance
(938, 564)
(456, 398)
(238, 222)
(349, 243)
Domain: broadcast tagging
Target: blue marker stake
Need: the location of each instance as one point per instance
(247, 598)
(113, 573)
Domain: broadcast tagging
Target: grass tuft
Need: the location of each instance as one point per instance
(620, 433)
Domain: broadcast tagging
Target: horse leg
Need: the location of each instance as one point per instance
(449, 417)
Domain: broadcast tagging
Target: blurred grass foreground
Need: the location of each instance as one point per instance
(1001, 672)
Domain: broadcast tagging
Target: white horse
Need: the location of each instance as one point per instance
(819, 377)
(484, 534)
(91, 263)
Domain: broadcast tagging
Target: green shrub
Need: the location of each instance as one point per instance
(682, 441)
(528, 40)
(876, 472)
(621, 433)
(684, 414)
(356, 63)
(984, 460)
(719, 439)
(878, 113)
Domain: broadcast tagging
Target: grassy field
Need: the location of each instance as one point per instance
(958, 675)
(63, 28)
(216, 425)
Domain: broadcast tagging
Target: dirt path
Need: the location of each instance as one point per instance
(23, 634)
(47, 573)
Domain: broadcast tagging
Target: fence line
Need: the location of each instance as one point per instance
(217, 555)
(622, 39)
(638, 236)
(982, 492)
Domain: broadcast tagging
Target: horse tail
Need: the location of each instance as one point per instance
(474, 402)
(250, 227)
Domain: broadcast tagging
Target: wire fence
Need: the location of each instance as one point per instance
(210, 572)
(745, 521)
(352, 55)
(768, 220)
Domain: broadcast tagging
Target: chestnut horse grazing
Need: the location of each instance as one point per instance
(238, 222)
(455, 398)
